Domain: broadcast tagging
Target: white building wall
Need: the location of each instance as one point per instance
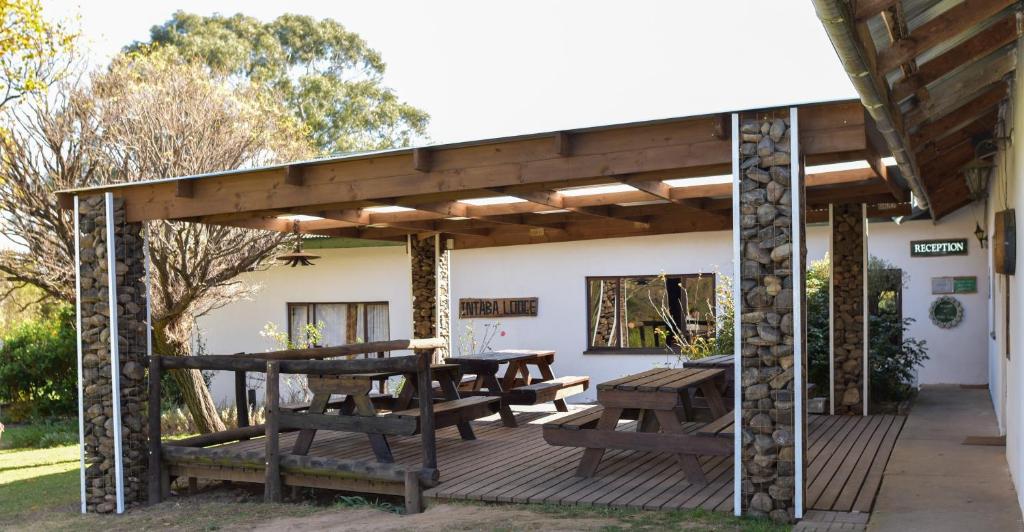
(556, 274)
(1007, 374)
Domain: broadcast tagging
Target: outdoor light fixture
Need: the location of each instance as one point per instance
(297, 257)
(977, 172)
(979, 233)
(976, 176)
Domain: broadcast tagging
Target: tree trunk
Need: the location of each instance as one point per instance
(193, 388)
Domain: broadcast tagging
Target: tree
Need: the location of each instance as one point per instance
(31, 49)
(145, 117)
(328, 76)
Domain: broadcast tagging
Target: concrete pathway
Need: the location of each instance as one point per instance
(935, 483)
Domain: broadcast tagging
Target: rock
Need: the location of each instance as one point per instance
(762, 423)
(748, 148)
(774, 191)
(780, 174)
(765, 148)
(782, 379)
(755, 392)
(755, 197)
(780, 516)
(766, 214)
(764, 444)
(768, 333)
(777, 129)
(782, 252)
(783, 437)
(772, 284)
(759, 175)
(762, 502)
(757, 253)
(851, 396)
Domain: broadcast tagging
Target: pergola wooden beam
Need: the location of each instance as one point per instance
(865, 9)
(671, 148)
(948, 25)
(556, 201)
(950, 95)
(940, 126)
(984, 43)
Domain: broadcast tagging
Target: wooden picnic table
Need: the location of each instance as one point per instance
(660, 401)
(517, 385)
(359, 401)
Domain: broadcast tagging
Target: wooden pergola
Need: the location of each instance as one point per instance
(700, 173)
(568, 185)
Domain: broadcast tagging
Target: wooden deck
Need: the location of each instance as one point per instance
(847, 456)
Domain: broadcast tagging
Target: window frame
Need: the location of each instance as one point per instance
(592, 350)
(311, 305)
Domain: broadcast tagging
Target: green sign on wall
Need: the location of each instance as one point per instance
(955, 285)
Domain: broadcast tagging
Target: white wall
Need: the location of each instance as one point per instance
(555, 273)
(956, 355)
(1007, 376)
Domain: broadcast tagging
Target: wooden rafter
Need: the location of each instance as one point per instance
(941, 126)
(994, 37)
(947, 25)
(865, 9)
(555, 200)
(973, 80)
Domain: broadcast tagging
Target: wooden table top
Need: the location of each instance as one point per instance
(502, 356)
(662, 380)
(715, 361)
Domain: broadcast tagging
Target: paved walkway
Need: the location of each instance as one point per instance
(935, 483)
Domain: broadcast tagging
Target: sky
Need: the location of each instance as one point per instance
(486, 69)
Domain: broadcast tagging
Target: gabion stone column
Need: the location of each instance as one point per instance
(101, 494)
(431, 289)
(848, 309)
(769, 432)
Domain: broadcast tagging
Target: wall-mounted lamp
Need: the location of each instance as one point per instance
(979, 233)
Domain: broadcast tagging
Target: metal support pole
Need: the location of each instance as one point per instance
(737, 299)
(864, 375)
(81, 369)
(797, 220)
(831, 311)
(115, 346)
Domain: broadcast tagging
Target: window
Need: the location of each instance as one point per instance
(646, 312)
(342, 323)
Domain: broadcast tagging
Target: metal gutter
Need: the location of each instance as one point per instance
(836, 17)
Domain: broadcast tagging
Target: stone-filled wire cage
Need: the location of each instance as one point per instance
(98, 404)
(768, 201)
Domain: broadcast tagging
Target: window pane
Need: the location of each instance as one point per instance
(603, 312)
(699, 294)
(377, 328)
(650, 311)
(332, 318)
(297, 319)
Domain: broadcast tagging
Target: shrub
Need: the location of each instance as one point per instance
(37, 367)
(51, 433)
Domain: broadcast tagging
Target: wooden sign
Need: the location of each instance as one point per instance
(938, 248)
(498, 308)
(1004, 242)
(955, 285)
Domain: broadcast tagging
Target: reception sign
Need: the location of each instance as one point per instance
(938, 248)
(498, 308)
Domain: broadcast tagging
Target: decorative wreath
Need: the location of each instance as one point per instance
(946, 312)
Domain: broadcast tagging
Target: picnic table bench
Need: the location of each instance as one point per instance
(659, 400)
(401, 413)
(517, 386)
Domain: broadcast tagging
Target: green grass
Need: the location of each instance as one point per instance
(32, 480)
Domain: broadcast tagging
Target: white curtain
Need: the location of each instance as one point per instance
(377, 322)
(332, 316)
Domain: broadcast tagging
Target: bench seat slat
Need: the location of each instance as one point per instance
(722, 426)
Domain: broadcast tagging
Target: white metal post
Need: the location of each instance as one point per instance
(737, 301)
(115, 356)
(864, 306)
(81, 369)
(797, 220)
(831, 316)
(149, 306)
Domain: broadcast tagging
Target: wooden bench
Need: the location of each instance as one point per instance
(547, 390)
(721, 427)
(453, 412)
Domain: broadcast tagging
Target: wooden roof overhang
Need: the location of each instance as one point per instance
(941, 68)
(523, 189)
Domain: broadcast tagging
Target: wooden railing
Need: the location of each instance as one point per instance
(308, 362)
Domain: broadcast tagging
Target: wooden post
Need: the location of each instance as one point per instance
(426, 392)
(272, 482)
(241, 403)
(155, 476)
(413, 493)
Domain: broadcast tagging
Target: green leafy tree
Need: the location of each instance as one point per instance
(326, 75)
(31, 49)
(37, 366)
